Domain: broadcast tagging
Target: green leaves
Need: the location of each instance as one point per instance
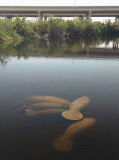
(55, 27)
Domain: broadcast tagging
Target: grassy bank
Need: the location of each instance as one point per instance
(55, 27)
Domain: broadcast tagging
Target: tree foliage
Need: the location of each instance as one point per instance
(55, 27)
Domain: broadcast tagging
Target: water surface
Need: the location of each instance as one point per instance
(64, 69)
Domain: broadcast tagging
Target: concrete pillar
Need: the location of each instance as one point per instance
(117, 19)
(88, 16)
(45, 18)
(115, 45)
(82, 17)
(9, 17)
(5, 17)
(40, 15)
(87, 51)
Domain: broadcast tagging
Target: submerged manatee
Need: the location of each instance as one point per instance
(70, 115)
(50, 99)
(47, 104)
(65, 142)
(31, 112)
(74, 111)
(79, 103)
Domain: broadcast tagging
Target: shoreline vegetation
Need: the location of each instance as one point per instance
(20, 28)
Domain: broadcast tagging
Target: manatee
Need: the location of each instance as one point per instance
(50, 99)
(74, 110)
(70, 115)
(65, 142)
(79, 103)
(47, 104)
(31, 112)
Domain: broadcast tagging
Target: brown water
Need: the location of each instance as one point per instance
(67, 70)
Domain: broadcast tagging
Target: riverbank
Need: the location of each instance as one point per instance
(20, 28)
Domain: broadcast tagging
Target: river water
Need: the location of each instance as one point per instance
(68, 70)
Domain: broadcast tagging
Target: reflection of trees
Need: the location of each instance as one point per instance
(116, 44)
(49, 48)
(3, 61)
(8, 50)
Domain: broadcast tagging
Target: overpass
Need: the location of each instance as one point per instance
(60, 11)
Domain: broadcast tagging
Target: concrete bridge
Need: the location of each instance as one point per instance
(60, 11)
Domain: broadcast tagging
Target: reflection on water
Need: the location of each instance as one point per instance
(59, 48)
(65, 142)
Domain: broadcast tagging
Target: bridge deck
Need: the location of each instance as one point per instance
(60, 11)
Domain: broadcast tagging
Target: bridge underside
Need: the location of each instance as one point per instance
(61, 11)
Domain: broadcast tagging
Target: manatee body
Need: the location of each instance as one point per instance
(65, 142)
(74, 110)
(47, 104)
(51, 99)
(31, 112)
(72, 115)
(79, 103)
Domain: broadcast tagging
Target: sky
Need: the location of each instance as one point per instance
(62, 3)
(59, 3)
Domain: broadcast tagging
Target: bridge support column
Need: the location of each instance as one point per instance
(45, 18)
(115, 45)
(87, 51)
(5, 17)
(117, 19)
(9, 17)
(82, 18)
(40, 15)
(88, 16)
